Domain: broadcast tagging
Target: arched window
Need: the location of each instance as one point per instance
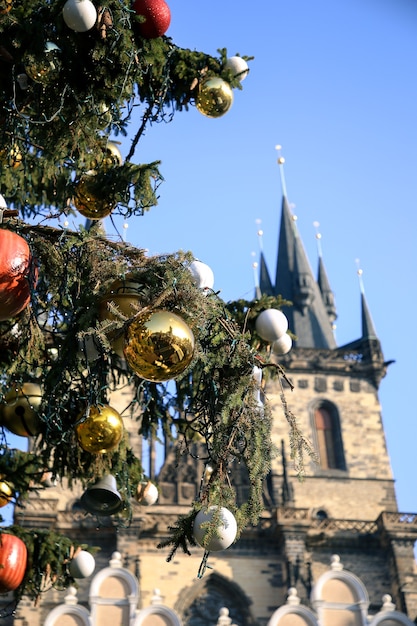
(328, 436)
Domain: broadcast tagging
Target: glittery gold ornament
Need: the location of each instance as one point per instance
(125, 293)
(88, 201)
(19, 413)
(160, 347)
(214, 97)
(44, 68)
(101, 431)
(5, 6)
(6, 492)
(12, 157)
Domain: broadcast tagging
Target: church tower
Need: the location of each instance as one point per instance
(343, 503)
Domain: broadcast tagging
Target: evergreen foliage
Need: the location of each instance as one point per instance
(54, 130)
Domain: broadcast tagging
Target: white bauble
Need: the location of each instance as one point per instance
(271, 324)
(226, 530)
(3, 204)
(202, 274)
(83, 565)
(282, 345)
(147, 493)
(79, 15)
(238, 66)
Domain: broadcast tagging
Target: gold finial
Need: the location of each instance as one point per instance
(318, 237)
(260, 233)
(281, 162)
(255, 275)
(359, 272)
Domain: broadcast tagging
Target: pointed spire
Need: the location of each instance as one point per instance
(323, 282)
(308, 317)
(265, 284)
(368, 329)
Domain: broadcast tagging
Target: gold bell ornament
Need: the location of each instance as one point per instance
(102, 498)
(125, 293)
(89, 201)
(101, 430)
(159, 347)
(19, 413)
(214, 97)
(6, 492)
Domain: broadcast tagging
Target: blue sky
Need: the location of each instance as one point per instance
(335, 84)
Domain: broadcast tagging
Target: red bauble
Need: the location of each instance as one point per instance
(16, 265)
(157, 17)
(13, 560)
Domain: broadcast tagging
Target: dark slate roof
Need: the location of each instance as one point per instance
(368, 329)
(326, 292)
(308, 317)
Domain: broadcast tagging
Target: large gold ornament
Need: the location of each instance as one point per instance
(6, 492)
(214, 97)
(88, 201)
(101, 431)
(44, 68)
(11, 157)
(125, 293)
(19, 413)
(160, 347)
(5, 6)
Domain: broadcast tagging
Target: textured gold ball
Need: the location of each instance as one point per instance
(214, 97)
(125, 293)
(5, 6)
(6, 492)
(101, 431)
(88, 201)
(19, 413)
(45, 67)
(160, 347)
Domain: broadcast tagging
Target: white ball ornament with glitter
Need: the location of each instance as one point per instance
(271, 325)
(238, 67)
(79, 15)
(83, 565)
(147, 493)
(226, 529)
(282, 345)
(202, 274)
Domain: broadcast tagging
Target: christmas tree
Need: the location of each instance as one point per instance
(82, 315)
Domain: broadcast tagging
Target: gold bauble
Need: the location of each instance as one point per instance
(6, 492)
(160, 347)
(214, 97)
(101, 431)
(12, 157)
(44, 68)
(88, 202)
(19, 413)
(125, 293)
(5, 6)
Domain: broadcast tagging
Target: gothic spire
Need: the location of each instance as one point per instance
(323, 282)
(308, 317)
(368, 329)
